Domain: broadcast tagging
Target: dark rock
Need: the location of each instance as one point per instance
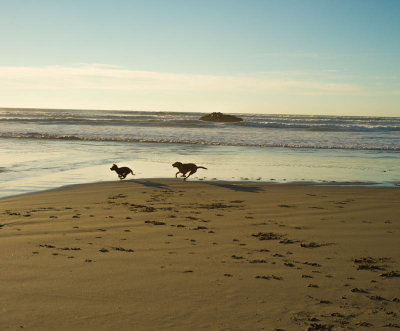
(219, 117)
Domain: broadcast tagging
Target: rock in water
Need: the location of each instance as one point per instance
(219, 117)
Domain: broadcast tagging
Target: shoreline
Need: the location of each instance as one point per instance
(49, 164)
(233, 182)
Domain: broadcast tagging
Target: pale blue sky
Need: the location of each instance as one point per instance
(298, 57)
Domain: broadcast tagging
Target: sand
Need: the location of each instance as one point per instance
(171, 255)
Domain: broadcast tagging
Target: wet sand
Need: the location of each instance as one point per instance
(163, 254)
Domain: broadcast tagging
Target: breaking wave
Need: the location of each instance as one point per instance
(199, 142)
(288, 131)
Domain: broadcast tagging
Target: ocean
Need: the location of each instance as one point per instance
(48, 148)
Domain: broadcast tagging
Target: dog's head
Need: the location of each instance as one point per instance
(177, 164)
(114, 167)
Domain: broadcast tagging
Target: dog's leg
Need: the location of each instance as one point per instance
(191, 173)
(176, 175)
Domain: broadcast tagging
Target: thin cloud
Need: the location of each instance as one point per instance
(110, 77)
(291, 55)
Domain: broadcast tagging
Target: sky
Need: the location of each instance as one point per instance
(328, 57)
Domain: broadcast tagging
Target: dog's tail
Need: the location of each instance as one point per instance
(202, 168)
(132, 173)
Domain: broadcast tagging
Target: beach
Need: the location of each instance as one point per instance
(165, 254)
(200, 165)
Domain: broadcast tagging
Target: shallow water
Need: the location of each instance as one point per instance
(30, 165)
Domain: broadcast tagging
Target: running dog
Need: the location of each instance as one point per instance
(184, 168)
(122, 172)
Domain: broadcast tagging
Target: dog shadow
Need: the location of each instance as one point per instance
(151, 184)
(238, 187)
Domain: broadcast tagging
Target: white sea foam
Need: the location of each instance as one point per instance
(292, 131)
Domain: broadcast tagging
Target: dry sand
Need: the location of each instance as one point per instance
(173, 255)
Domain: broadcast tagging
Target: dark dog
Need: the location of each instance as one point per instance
(184, 168)
(122, 172)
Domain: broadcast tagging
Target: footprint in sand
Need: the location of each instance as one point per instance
(358, 290)
(287, 241)
(47, 246)
(268, 236)
(155, 222)
(285, 206)
(391, 274)
(200, 228)
(269, 277)
(312, 264)
(370, 263)
(121, 249)
(313, 244)
(376, 298)
(258, 261)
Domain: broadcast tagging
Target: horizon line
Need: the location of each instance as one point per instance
(179, 111)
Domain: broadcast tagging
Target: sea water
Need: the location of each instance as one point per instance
(42, 149)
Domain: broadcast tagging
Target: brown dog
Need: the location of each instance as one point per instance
(122, 172)
(184, 168)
